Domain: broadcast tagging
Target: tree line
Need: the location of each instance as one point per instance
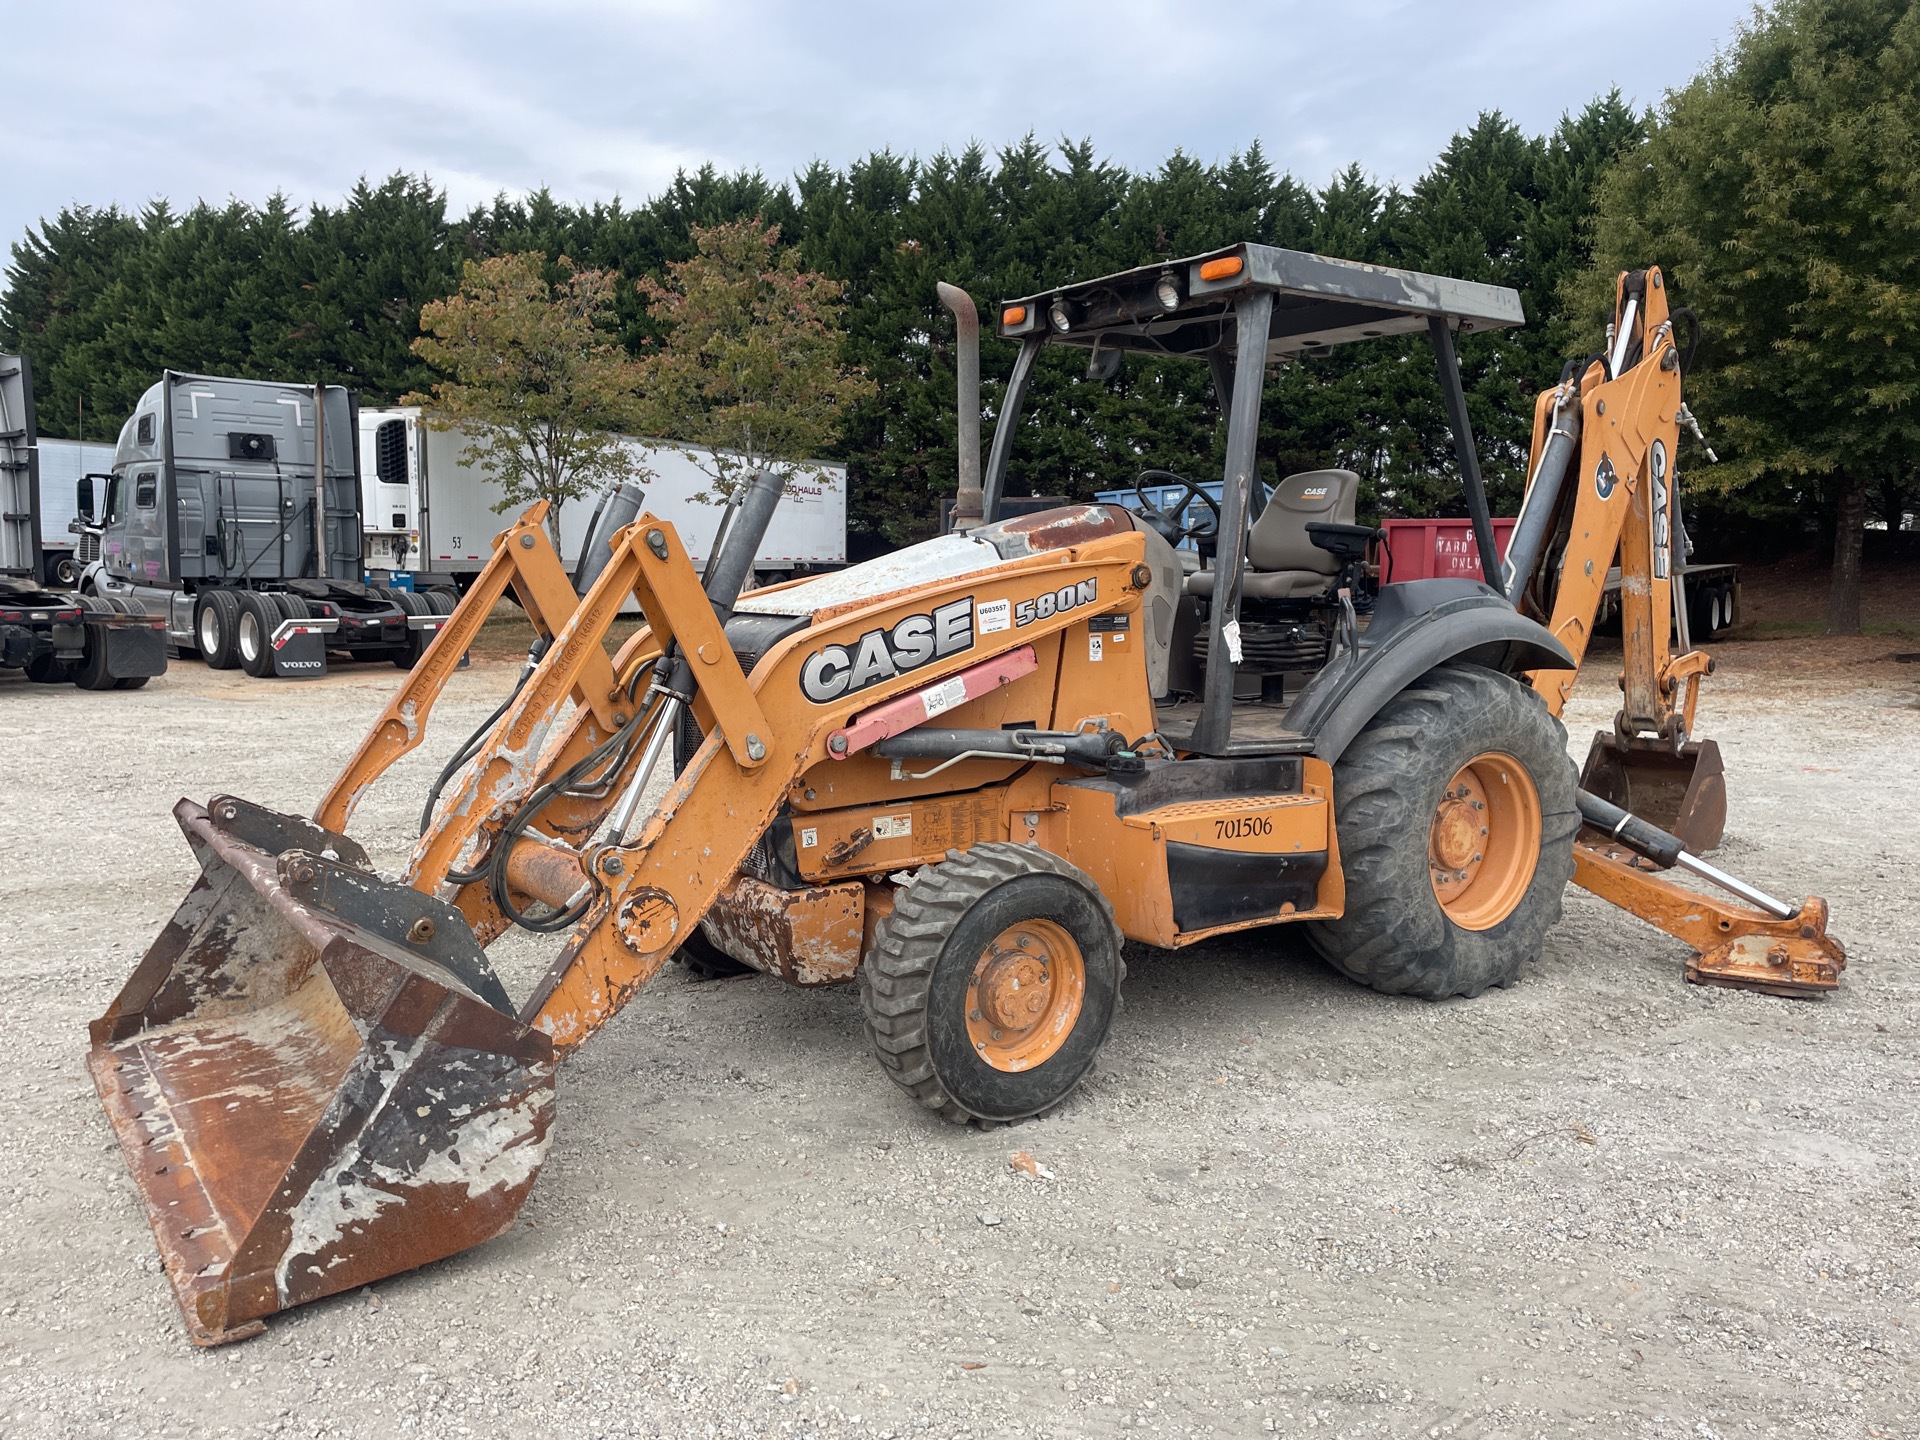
(103, 300)
(1776, 188)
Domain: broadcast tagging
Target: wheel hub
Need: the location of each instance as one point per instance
(1025, 995)
(1014, 988)
(1484, 842)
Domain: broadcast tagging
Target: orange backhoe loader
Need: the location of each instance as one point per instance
(960, 775)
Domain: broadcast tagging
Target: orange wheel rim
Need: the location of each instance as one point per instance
(1485, 841)
(1025, 995)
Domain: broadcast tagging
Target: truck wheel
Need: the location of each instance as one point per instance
(63, 571)
(990, 988)
(407, 655)
(43, 669)
(1455, 816)
(89, 672)
(253, 634)
(215, 619)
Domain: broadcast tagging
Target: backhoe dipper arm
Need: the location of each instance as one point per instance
(1623, 506)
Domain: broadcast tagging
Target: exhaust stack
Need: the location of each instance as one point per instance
(967, 502)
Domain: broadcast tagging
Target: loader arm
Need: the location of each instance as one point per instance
(763, 734)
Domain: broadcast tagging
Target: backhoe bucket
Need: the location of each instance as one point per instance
(315, 1077)
(1684, 794)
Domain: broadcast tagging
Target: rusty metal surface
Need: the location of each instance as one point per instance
(549, 873)
(1734, 945)
(1684, 794)
(309, 1092)
(1059, 529)
(805, 937)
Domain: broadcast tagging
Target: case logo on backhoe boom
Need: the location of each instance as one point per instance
(835, 671)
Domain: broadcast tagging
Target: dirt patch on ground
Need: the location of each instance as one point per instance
(1793, 591)
(1600, 1203)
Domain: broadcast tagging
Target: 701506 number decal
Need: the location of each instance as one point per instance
(1242, 827)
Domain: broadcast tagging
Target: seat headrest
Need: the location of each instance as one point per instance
(1278, 540)
(1327, 495)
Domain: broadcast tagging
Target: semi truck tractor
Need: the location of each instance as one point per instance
(233, 511)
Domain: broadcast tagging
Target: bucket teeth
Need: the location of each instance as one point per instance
(314, 1075)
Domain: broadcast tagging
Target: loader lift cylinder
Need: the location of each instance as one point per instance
(613, 514)
(725, 578)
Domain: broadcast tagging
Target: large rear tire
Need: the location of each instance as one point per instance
(1455, 814)
(215, 619)
(991, 987)
(253, 633)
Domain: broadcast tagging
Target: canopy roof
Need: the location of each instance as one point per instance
(1319, 302)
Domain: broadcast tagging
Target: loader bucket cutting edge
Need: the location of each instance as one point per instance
(308, 1080)
(1683, 793)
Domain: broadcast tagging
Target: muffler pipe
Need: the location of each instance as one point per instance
(617, 509)
(968, 500)
(1543, 495)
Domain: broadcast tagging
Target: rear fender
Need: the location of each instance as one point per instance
(1417, 625)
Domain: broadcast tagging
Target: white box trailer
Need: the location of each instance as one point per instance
(429, 514)
(63, 465)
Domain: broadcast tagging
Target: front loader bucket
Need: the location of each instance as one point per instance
(1683, 793)
(314, 1075)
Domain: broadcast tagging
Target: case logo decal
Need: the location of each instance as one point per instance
(880, 655)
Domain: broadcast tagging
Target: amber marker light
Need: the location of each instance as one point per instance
(1224, 268)
(1014, 315)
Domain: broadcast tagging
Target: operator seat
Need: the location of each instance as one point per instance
(1283, 563)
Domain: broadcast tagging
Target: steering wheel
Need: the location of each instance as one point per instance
(1175, 522)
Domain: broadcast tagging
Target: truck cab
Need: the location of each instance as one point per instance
(234, 510)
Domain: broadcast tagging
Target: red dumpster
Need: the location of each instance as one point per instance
(1437, 549)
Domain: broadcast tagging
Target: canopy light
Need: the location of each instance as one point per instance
(1167, 290)
(1061, 314)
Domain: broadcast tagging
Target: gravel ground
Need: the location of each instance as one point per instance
(1601, 1203)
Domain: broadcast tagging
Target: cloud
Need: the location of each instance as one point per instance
(124, 102)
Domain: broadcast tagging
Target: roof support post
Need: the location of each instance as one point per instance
(1253, 315)
(1463, 446)
(1220, 367)
(994, 484)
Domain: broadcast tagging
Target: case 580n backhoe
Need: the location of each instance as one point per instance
(960, 775)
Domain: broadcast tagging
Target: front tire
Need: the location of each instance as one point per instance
(1455, 814)
(991, 986)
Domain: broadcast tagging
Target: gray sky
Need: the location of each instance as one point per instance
(127, 100)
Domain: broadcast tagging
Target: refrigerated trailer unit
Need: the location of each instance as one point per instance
(68, 547)
(432, 516)
(234, 511)
(55, 635)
